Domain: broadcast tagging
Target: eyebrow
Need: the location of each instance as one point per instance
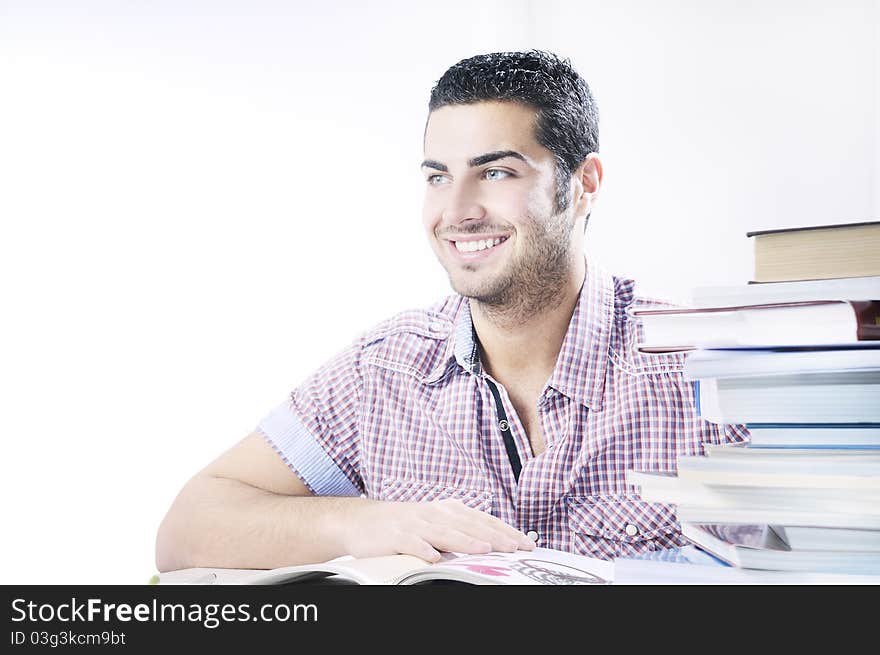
(479, 160)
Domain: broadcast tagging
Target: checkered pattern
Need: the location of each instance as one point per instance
(406, 414)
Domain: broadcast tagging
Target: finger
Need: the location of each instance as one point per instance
(479, 529)
(413, 544)
(450, 539)
(509, 532)
(500, 540)
(483, 525)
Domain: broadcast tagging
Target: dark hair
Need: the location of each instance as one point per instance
(567, 121)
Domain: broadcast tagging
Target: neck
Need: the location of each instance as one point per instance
(523, 340)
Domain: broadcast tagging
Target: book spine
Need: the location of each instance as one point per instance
(837, 226)
(731, 308)
(808, 426)
(867, 320)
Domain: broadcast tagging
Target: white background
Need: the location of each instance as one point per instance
(202, 201)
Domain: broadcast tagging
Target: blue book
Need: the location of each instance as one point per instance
(689, 565)
(862, 436)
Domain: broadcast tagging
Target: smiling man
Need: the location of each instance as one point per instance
(502, 417)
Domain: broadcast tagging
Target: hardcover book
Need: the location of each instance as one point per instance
(845, 396)
(758, 546)
(814, 435)
(766, 293)
(819, 252)
(779, 517)
(828, 473)
(689, 565)
(756, 361)
(808, 537)
(798, 504)
(803, 323)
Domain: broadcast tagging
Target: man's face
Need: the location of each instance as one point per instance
(489, 205)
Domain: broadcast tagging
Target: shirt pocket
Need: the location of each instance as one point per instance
(396, 489)
(620, 525)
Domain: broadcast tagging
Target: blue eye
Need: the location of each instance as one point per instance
(496, 174)
(434, 180)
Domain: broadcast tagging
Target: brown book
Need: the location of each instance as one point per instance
(817, 253)
(801, 324)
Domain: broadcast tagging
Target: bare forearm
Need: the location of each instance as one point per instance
(220, 522)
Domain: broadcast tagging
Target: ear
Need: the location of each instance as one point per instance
(588, 178)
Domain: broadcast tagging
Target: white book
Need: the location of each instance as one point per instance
(667, 488)
(776, 516)
(819, 322)
(829, 397)
(695, 566)
(837, 475)
(854, 288)
(751, 362)
(759, 547)
(865, 465)
(800, 537)
(745, 453)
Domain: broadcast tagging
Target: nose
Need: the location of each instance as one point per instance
(462, 204)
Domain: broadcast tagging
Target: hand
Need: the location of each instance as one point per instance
(423, 529)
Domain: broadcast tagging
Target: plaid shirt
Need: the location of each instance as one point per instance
(406, 413)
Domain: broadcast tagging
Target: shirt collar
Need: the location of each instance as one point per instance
(580, 367)
(465, 338)
(461, 346)
(579, 373)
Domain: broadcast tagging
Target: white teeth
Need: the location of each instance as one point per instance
(474, 246)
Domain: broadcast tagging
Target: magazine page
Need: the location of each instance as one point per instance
(204, 575)
(540, 566)
(220, 576)
(370, 570)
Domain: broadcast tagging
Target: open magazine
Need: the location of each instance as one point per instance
(540, 566)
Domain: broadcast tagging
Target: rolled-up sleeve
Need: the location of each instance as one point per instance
(316, 431)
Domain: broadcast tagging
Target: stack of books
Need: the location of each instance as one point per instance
(795, 356)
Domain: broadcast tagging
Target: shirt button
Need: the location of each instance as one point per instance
(531, 534)
(631, 530)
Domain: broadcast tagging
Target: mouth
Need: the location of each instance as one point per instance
(471, 249)
(478, 245)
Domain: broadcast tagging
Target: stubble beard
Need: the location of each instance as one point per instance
(535, 280)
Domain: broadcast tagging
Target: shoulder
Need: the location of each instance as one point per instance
(627, 297)
(624, 351)
(433, 322)
(414, 341)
